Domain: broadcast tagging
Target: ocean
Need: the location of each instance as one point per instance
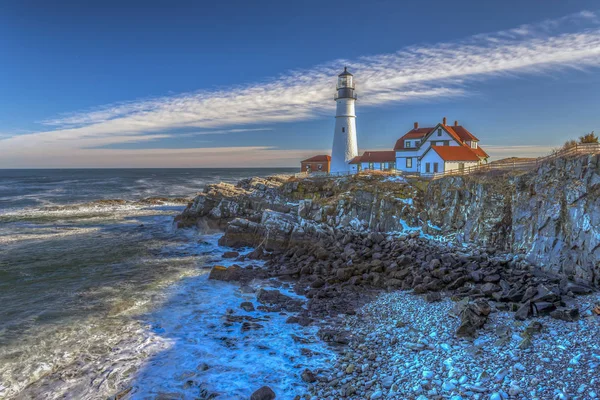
(100, 294)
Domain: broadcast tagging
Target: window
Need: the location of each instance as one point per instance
(446, 143)
(343, 129)
(371, 166)
(392, 165)
(473, 145)
(461, 166)
(427, 167)
(439, 131)
(417, 143)
(409, 162)
(435, 167)
(320, 166)
(407, 143)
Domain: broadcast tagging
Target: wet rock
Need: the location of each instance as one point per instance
(275, 297)
(308, 376)
(247, 306)
(227, 274)
(248, 326)
(264, 393)
(231, 254)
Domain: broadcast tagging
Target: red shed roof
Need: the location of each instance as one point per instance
(378, 156)
(455, 153)
(320, 158)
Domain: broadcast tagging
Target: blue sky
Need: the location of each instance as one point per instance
(200, 84)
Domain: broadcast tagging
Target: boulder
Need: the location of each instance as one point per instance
(247, 306)
(473, 315)
(227, 274)
(308, 376)
(275, 297)
(433, 297)
(264, 393)
(566, 314)
(524, 311)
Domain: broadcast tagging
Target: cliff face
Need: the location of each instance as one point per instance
(552, 215)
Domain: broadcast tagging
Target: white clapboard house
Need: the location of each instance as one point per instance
(438, 149)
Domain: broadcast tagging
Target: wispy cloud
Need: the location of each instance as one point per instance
(413, 74)
(223, 131)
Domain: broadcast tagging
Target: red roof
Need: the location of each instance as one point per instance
(414, 134)
(321, 158)
(480, 152)
(463, 133)
(455, 153)
(458, 132)
(355, 160)
(378, 156)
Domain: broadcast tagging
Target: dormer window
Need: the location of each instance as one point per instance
(439, 131)
(473, 145)
(407, 143)
(417, 143)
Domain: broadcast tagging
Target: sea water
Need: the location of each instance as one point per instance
(100, 298)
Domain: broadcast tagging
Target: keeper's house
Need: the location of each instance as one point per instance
(438, 149)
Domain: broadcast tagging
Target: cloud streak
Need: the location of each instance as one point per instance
(413, 74)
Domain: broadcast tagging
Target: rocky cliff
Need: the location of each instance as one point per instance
(550, 216)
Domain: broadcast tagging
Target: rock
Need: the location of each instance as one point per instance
(231, 254)
(247, 326)
(227, 274)
(433, 297)
(308, 376)
(318, 283)
(524, 311)
(247, 306)
(350, 369)
(264, 393)
(275, 297)
(566, 314)
(473, 316)
(490, 288)
(376, 395)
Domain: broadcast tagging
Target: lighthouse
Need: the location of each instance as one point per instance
(344, 137)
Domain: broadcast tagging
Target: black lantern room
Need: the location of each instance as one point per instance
(345, 85)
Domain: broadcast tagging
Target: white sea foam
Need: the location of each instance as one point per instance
(161, 341)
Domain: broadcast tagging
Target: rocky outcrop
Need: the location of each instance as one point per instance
(552, 215)
(221, 202)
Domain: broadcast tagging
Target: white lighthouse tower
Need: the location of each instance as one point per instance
(344, 147)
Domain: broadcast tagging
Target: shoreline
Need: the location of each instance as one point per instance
(349, 274)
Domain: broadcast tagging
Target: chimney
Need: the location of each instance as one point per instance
(416, 125)
(455, 123)
(444, 121)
